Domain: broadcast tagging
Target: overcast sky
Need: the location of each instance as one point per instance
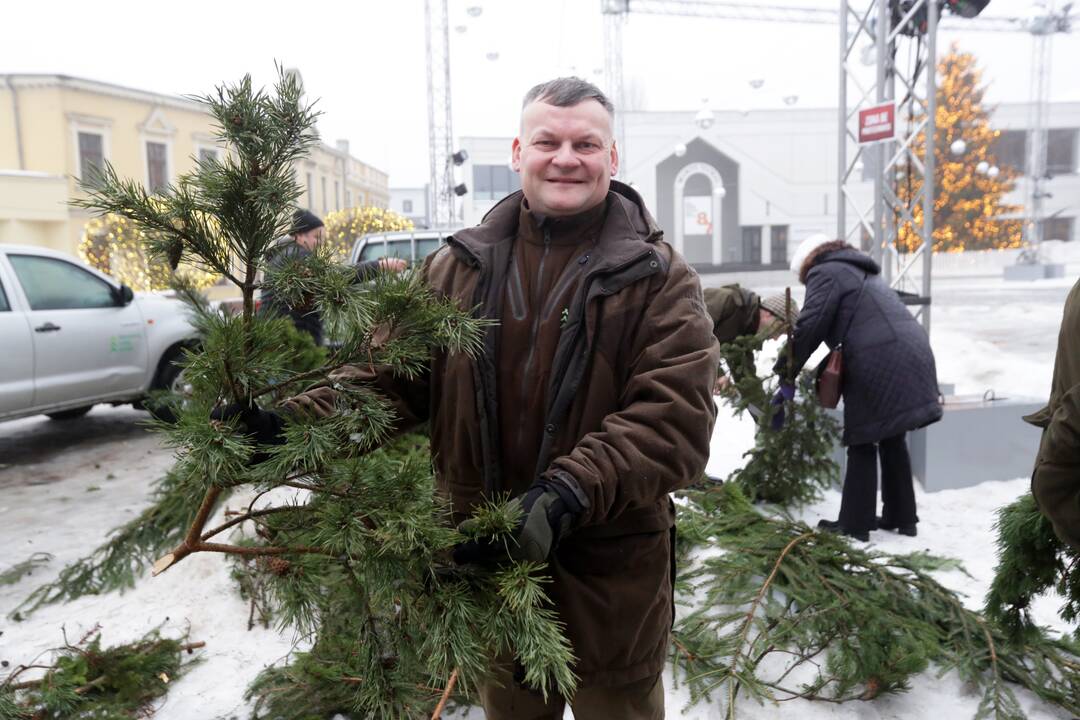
(364, 60)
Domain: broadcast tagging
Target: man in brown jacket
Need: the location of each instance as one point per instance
(590, 403)
(1056, 480)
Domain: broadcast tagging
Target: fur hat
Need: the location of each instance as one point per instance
(304, 220)
(777, 304)
(806, 247)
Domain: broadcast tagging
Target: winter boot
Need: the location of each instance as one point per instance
(833, 526)
(909, 530)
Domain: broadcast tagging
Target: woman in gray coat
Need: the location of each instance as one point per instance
(889, 381)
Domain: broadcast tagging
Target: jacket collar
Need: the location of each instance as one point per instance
(628, 232)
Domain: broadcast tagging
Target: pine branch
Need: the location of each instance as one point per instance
(87, 681)
(445, 696)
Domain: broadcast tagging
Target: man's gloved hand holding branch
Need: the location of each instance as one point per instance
(548, 511)
(264, 426)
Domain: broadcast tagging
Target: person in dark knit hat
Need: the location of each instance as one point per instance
(305, 233)
(738, 312)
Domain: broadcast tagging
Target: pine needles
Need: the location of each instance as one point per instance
(85, 681)
(121, 560)
(391, 618)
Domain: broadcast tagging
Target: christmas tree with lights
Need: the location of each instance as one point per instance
(969, 185)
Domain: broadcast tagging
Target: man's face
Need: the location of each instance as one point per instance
(766, 320)
(566, 157)
(309, 239)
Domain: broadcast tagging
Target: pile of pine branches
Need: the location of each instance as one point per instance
(84, 681)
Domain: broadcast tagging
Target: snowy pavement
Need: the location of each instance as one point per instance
(63, 486)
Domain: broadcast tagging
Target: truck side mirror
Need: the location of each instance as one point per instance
(124, 295)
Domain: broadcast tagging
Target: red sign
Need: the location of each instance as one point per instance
(877, 123)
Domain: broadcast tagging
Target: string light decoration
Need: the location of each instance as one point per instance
(116, 246)
(345, 226)
(969, 212)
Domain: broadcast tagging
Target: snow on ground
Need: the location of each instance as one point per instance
(63, 486)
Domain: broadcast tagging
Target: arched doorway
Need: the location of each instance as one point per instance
(698, 214)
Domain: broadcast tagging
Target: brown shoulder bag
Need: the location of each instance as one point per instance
(829, 380)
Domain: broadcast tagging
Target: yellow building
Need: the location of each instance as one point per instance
(55, 129)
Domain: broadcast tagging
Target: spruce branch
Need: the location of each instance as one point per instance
(851, 624)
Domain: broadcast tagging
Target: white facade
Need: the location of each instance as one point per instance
(413, 204)
(778, 170)
(485, 155)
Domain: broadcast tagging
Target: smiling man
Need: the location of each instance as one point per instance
(598, 410)
(589, 404)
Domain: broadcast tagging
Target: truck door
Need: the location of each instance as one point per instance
(86, 344)
(17, 366)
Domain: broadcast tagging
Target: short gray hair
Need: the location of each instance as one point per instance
(566, 92)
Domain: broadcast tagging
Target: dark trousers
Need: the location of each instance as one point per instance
(504, 699)
(860, 485)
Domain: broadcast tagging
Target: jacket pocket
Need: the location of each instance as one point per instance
(615, 555)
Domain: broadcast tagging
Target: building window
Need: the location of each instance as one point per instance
(1010, 149)
(491, 182)
(206, 154)
(337, 195)
(778, 240)
(406, 206)
(1057, 228)
(348, 198)
(325, 197)
(157, 176)
(310, 191)
(751, 244)
(1061, 151)
(91, 157)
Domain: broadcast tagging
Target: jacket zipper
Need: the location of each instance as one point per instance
(558, 376)
(537, 307)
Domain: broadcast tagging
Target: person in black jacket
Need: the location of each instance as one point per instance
(304, 235)
(889, 383)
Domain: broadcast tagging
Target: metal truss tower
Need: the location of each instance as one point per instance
(880, 23)
(1042, 29)
(876, 222)
(440, 124)
(615, 13)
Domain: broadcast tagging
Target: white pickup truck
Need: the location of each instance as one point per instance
(72, 337)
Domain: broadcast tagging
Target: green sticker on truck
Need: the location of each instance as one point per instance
(123, 343)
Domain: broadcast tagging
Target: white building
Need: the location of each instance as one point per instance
(778, 173)
(413, 204)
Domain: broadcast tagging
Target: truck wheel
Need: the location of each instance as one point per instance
(69, 414)
(171, 381)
